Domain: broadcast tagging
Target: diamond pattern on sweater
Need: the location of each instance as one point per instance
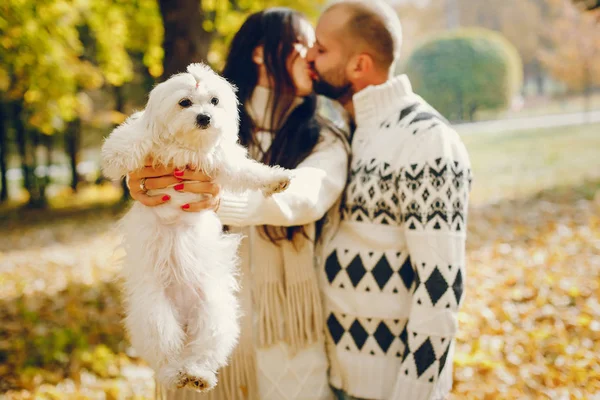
(370, 336)
(390, 272)
(407, 273)
(384, 336)
(428, 360)
(356, 271)
(457, 287)
(359, 334)
(424, 357)
(336, 330)
(436, 286)
(332, 266)
(382, 272)
(443, 359)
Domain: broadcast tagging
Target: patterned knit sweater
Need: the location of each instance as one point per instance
(393, 274)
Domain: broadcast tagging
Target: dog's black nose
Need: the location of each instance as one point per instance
(203, 120)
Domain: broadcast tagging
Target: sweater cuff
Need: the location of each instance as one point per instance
(411, 389)
(236, 209)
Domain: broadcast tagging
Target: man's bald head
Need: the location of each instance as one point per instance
(371, 26)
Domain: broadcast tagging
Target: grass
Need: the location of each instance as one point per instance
(521, 163)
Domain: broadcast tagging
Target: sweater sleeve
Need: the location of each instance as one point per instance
(317, 183)
(434, 188)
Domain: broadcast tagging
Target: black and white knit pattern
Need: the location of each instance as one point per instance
(430, 196)
(395, 273)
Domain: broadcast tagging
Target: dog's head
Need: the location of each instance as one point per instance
(195, 110)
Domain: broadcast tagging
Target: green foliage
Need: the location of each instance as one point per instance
(465, 71)
(53, 49)
(224, 18)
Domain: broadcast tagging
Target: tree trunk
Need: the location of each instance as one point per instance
(539, 78)
(3, 151)
(460, 106)
(185, 39)
(37, 194)
(48, 143)
(72, 143)
(472, 111)
(23, 144)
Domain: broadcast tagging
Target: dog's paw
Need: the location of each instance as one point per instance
(280, 183)
(169, 376)
(200, 381)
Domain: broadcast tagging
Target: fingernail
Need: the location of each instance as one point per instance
(178, 187)
(178, 173)
(185, 206)
(166, 197)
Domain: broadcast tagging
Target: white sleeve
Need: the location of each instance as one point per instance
(317, 183)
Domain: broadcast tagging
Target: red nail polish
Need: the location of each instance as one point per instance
(178, 173)
(178, 187)
(185, 206)
(166, 197)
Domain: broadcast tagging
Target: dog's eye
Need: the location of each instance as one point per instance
(214, 101)
(185, 103)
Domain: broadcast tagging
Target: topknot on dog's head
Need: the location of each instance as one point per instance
(201, 71)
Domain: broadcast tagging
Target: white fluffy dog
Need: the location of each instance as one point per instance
(180, 268)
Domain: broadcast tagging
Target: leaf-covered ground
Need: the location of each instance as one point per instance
(529, 327)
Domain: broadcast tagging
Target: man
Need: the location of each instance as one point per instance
(393, 274)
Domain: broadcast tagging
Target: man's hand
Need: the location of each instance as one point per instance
(184, 181)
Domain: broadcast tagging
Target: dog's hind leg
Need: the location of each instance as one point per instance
(212, 335)
(213, 327)
(153, 323)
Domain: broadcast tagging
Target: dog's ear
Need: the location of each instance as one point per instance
(124, 149)
(151, 118)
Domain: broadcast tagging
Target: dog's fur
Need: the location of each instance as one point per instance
(180, 268)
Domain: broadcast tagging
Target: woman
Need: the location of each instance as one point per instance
(281, 352)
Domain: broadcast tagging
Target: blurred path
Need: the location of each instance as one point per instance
(525, 123)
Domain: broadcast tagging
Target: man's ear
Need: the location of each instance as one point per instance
(360, 66)
(258, 55)
(365, 63)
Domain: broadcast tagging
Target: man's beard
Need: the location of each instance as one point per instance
(335, 92)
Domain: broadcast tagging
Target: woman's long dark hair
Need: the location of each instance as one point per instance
(276, 30)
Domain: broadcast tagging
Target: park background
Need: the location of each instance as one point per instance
(520, 79)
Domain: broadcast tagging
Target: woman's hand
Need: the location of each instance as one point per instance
(198, 182)
(150, 178)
